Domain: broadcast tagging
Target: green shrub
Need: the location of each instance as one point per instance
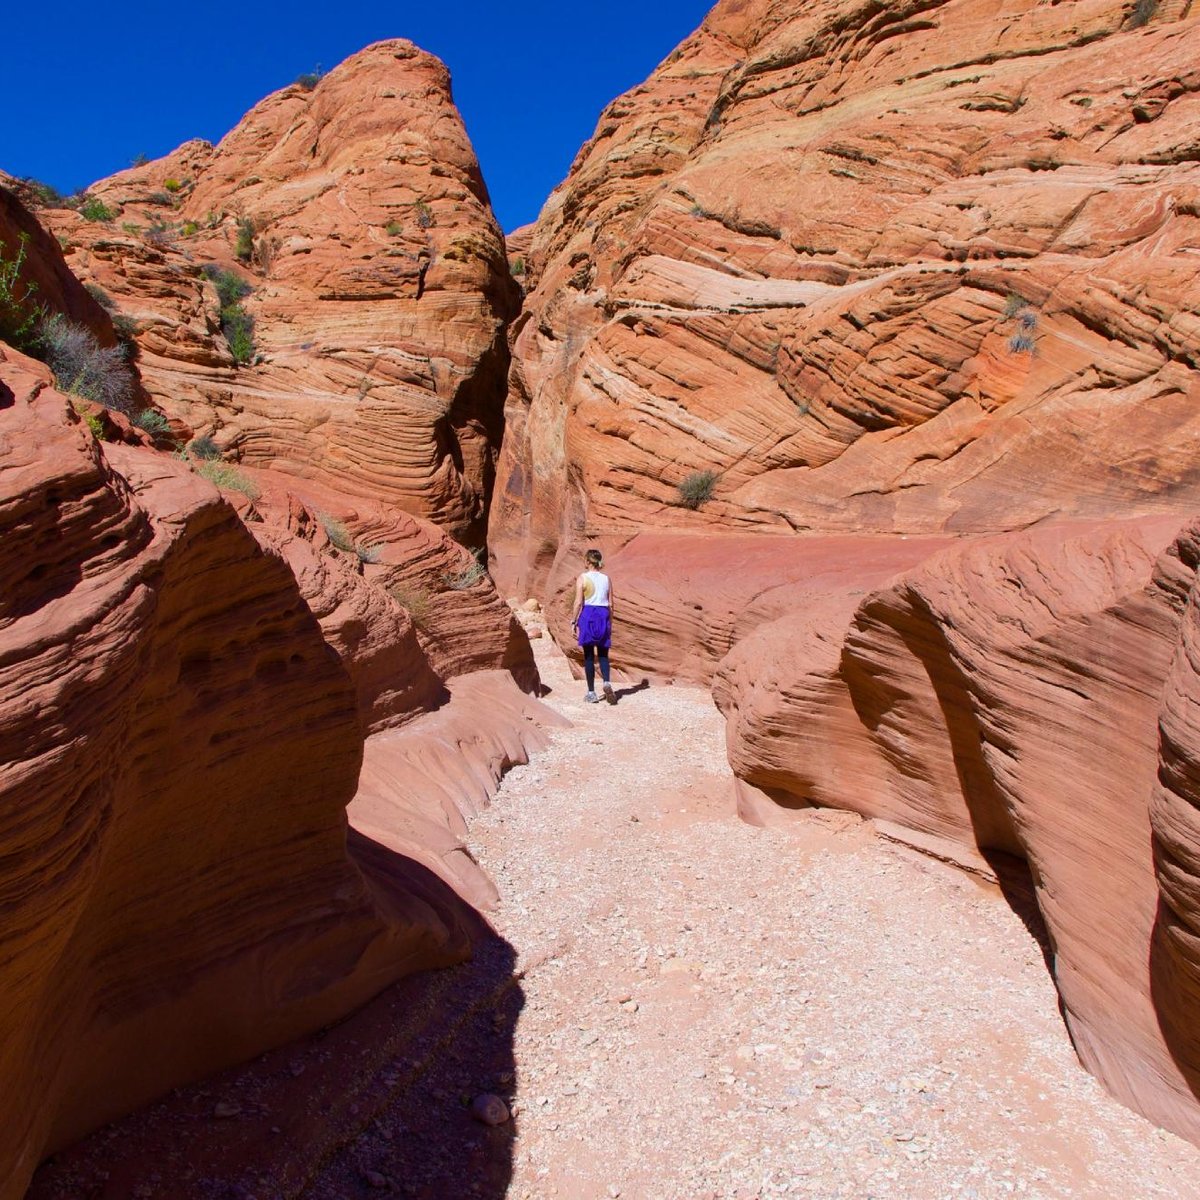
(238, 327)
(243, 248)
(91, 208)
(188, 228)
(696, 489)
(368, 554)
(20, 313)
(1013, 304)
(310, 79)
(126, 326)
(517, 266)
(236, 323)
(336, 532)
(394, 229)
(468, 577)
(231, 287)
(43, 195)
(416, 601)
(100, 296)
(160, 234)
(424, 215)
(172, 185)
(228, 477)
(152, 422)
(204, 448)
(82, 366)
(131, 227)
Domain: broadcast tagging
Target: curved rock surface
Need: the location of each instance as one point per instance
(379, 287)
(922, 268)
(917, 283)
(184, 726)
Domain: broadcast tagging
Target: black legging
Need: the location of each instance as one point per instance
(589, 665)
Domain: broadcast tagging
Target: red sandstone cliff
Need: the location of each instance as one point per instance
(380, 287)
(198, 685)
(917, 285)
(798, 257)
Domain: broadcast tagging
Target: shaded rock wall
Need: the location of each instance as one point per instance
(178, 750)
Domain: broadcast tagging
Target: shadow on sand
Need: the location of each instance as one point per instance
(377, 1104)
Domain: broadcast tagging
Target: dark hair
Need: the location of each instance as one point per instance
(595, 559)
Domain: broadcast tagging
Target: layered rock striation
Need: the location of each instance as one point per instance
(355, 214)
(923, 269)
(863, 339)
(210, 659)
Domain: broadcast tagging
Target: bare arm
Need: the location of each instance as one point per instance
(611, 599)
(578, 601)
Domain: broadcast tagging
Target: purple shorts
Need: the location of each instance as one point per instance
(595, 626)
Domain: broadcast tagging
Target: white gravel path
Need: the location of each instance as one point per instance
(718, 1010)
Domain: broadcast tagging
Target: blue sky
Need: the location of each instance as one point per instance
(89, 86)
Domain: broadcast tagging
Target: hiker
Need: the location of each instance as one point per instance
(593, 624)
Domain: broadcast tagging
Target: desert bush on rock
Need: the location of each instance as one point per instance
(416, 601)
(84, 367)
(204, 448)
(1013, 303)
(236, 323)
(160, 234)
(1021, 343)
(92, 208)
(126, 326)
(468, 577)
(696, 489)
(43, 195)
(424, 215)
(100, 296)
(341, 537)
(20, 313)
(153, 422)
(228, 477)
(309, 79)
(244, 246)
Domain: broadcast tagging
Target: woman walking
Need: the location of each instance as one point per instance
(593, 624)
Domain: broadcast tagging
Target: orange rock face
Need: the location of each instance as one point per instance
(197, 684)
(919, 286)
(912, 271)
(185, 709)
(378, 284)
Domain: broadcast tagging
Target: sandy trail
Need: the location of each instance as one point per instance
(715, 1009)
(678, 1006)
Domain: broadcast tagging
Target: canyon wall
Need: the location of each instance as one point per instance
(864, 340)
(252, 690)
(354, 209)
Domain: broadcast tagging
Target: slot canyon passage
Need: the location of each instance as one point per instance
(863, 340)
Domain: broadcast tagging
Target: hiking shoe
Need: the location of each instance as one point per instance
(609, 694)
(591, 698)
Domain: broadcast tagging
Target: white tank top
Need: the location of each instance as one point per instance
(595, 589)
